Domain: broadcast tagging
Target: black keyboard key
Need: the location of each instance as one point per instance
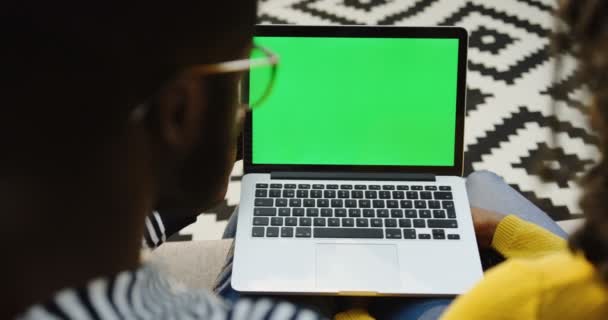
(451, 213)
(323, 203)
(312, 212)
(354, 213)
(424, 236)
(264, 212)
(439, 214)
(424, 213)
(393, 233)
(340, 213)
(384, 194)
(284, 212)
(453, 236)
(371, 194)
(357, 194)
(286, 232)
(302, 194)
(378, 203)
(398, 195)
(327, 212)
(443, 195)
(362, 223)
(272, 232)
(417, 188)
(319, 222)
(274, 193)
(261, 185)
(447, 204)
(309, 203)
(316, 194)
(405, 223)
(390, 223)
(298, 212)
(396, 213)
(438, 234)
(288, 193)
(305, 222)
(445, 188)
(392, 204)
(333, 222)
(411, 213)
(303, 186)
(402, 187)
(276, 186)
(360, 187)
(365, 204)
(318, 186)
(406, 204)
(434, 204)
(409, 233)
(369, 213)
(412, 195)
(348, 222)
(295, 202)
(330, 194)
(290, 186)
(345, 233)
(337, 203)
(426, 195)
(374, 187)
(263, 202)
(382, 213)
(276, 221)
(332, 186)
(281, 203)
(344, 194)
(420, 204)
(442, 223)
(303, 232)
(419, 223)
(346, 187)
(388, 187)
(376, 223)
(350, 203)
(430, 188)
(291, 222)
(261, 193)
(260, 221)
(257, 232)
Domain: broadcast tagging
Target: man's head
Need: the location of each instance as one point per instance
(73, 72)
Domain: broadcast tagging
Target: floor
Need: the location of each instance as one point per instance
(510, 94)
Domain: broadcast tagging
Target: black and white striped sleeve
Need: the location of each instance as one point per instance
(158, 227)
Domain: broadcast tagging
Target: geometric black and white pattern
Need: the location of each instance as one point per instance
(510, 87)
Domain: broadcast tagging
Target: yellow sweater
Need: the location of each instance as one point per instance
(541, 280)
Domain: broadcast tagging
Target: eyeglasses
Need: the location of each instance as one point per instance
(261, 68)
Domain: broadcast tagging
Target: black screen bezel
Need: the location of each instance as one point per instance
(370, 32)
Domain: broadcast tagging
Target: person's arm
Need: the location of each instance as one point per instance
(160, 226)
(508, 291)
(516, 238)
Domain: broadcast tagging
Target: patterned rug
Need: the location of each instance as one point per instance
(510, 92)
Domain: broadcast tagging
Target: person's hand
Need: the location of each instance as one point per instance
(485, 223)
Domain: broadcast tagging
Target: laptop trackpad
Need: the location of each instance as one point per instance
(357, 267)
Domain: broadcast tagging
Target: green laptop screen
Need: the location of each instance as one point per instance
(358, 101)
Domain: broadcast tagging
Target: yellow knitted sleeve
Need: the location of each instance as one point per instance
(516, 238)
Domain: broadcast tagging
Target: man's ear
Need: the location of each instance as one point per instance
(180, 113)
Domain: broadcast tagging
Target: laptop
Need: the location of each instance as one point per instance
(353, 166)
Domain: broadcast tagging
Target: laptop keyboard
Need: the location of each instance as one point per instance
(354, 211)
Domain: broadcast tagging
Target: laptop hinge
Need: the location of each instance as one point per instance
(306, 175)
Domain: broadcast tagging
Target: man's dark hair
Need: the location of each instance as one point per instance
(72, 71)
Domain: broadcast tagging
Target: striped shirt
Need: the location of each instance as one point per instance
(146, 294)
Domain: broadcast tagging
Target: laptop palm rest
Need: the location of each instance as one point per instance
(357, 267)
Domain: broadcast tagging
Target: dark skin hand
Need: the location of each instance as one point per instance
(485, 223)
